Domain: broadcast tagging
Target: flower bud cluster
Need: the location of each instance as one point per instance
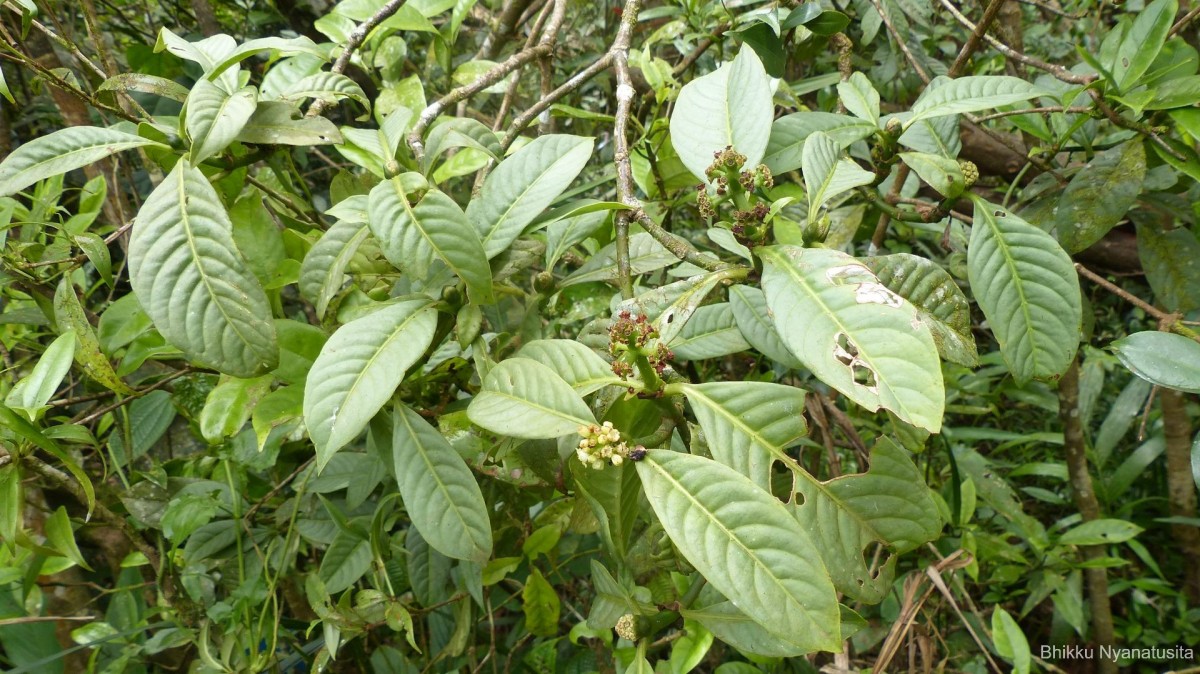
(629, 340)
(601, 445)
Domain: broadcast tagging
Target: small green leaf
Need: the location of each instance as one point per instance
(860, 97)
(1010, 641)
(972, 94)
(1100, 532)
(729, 107)
(61, 536)
(940, 173)
(1162, 358)
(12, 502)
(359, 368)
(229, 405)
(439, 491)
(827, 173)
(521, 398)
(70, 314)
(31, 394)
(1142, 42)
(540, 604)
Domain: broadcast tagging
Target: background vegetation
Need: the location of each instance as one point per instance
(564, 336)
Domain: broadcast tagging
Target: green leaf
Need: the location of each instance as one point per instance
(347, 559)
(1172, 263)
(753, 318)
(746, 545)
(324, 269)
(145, 84)
(854, 333)
(459, 132)
(1162, 358)
(359, 368)
(940, 173)
(285, 47)
(214, 117)
(1010, 641)
(827, 173)
(523, 185)
(540, 605)
(735, 628)
(1177, 93)
(278, 123)
(688, 651)
(937, 298)
(972, 94)
(844, 517)
(31, 394)
(1100, 532)
(521, 398)
(62, 151)
(613, 494)
(1026, 285)
(859, 97)
(731, 106)
(440, 493)
(1141, 43)
(277, 408)
(414, 235)
(327, 87)
(61, 537)
(27, 431)
(788, 133)
(1099, 195)
(12, 501)
(645, 255)
(711, 332)
(748, 423)
(577, 364)
(70, 314)
(228, 406)
(194, 284)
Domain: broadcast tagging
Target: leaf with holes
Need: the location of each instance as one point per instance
(747, 423)
(193, 282)
(1026, 286)
(853, 333)
(746, 544)
(844, 516)
(523, 185)
(414, 235)
(937, 298)
(522, 398)
(359, 368)
(439, 490)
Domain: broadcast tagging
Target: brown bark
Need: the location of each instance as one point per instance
(1181, 488)
(206, 18)
(1089, 508)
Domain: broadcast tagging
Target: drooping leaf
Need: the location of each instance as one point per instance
(61, 537)
(327, 87)
(1027, 288)
(731, 106)
(972, 94)
(285, 46)
(748, 423)
(1162, 358)
(414, 235)
(854, 333)
(1099, 195)
(214, 117)
(1172, 263)
(145, 84)
(359, 368)
(523, 185)
(936, 297)
(33, 391)
(746, 545)
(827, 173)
(194, 284)
(324, 269)
(1141, 43)
(62, 151)
(541, 605)
(844, 516)
(578, 365)
(522, 398)
(440, 493)
(70, 314)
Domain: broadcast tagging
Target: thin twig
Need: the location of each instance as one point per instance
(134, 396)
(1164, 318)
(1184, 21)
(354, 41)
(1073, 110)
(908, 55)
(579, 79)
(621, 157)
(989, 15)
